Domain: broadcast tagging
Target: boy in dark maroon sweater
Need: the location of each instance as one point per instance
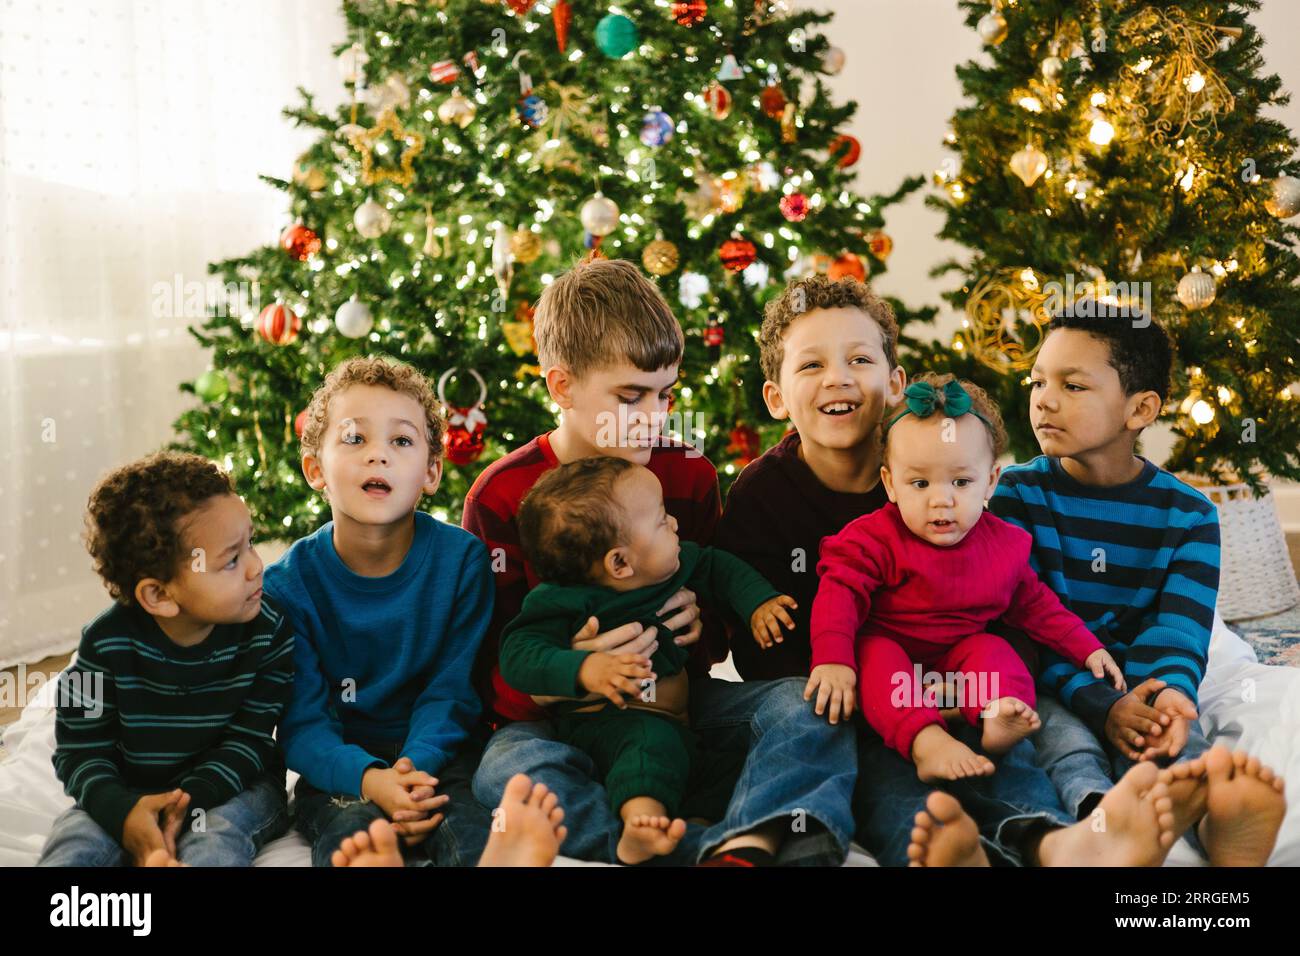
(609, 348)
(829, 353)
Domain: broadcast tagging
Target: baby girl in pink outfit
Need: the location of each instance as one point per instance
(918, 582)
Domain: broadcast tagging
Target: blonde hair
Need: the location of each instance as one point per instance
(820, 292)
(603, 312)
(365, 370)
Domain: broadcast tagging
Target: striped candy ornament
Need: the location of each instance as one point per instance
(444, 71)
(278, 324)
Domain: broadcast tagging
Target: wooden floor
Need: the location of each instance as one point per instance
(52, 665)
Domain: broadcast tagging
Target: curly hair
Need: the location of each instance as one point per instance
(136, 515)
(979, 400)
(569, 520)
(367, 370)
(820, 292)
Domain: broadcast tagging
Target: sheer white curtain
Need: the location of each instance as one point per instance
(132, 133)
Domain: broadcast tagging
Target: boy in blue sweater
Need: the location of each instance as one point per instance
(1135, 553)
(389, 606)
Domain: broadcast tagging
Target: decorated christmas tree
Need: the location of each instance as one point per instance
(1120, 150)
(486, 147)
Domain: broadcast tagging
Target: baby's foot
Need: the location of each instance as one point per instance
(1132, 826)
(1244, 807)
(1007, 721)
(161, 858)
(940, 756)
(1186, 783)
(530, 831)
(945, 835)
(647, 836)
(374, 847)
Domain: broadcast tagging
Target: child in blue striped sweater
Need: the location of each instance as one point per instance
(1134, 552)
(165, 721)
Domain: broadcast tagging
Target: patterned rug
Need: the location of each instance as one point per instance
(1276, 639)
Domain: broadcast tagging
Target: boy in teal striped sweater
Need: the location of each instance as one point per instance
(1134, 552)
(165, 720)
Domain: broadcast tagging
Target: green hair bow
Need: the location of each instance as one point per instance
(923, 400)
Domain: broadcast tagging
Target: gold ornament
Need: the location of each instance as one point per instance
(432, 247)
(365, 142)
(660, 257)
(457, 109)
(305, 174)
(1196, 290)
(1285, 201)
(525, 245)
(789, 119)
(992, 28)
(1028, 164)
(1006, 319)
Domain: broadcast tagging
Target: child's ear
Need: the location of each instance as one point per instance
(894, 390)
(616, 564)
(153, 596)
(312, 471)
(994, 475)
(559, 382)
(888, 480)
(775, 401)
(433, 477)
(1144, 408)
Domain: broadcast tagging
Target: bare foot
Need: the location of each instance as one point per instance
(1007, 721)
(945, 835)
(1186, 783)
(161, 858)
(528, 830)
(374, 847)
(1132, 826)
(647, 836)
(940, 756)
(1244, 807)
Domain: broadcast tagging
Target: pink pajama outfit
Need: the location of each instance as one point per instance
(889, 600)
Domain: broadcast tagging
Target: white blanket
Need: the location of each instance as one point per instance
(1244, 704)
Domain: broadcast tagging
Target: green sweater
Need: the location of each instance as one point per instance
(535, 654)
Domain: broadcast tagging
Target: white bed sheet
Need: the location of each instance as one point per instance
(1244, 704)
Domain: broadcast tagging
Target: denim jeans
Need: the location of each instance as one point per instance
(799, 771)
(232, 833)
(327, 819)
(1008, 807)
(1083, 768)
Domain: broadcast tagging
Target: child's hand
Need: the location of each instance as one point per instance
(1101, 663)
(173, 819)
(766, 621)
(1131, 724)
(834, 683)
(613, 675)
(390, 789)
(415, 825)
(1174, 704)
(141, 833)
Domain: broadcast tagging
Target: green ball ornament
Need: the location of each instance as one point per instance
(212, 386)
(617, 36)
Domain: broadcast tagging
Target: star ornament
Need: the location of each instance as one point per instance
(366, 142)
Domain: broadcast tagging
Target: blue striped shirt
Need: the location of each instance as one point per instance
(1139, 562)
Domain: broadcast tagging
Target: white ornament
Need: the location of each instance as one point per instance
(599, 215)
(393, 93)
(992, 28)
(691, 289)
(503, 267)
(1052, 67)
(372, 219)
(352, 62)
(756, 274)
(1196, 290)
(353, 319)
(833, 60)
(1028, 164)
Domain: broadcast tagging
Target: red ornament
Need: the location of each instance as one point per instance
(299, 241)
(520, 6)
(444, 71)
(772, 100)
(737, 254)
(719, 100)
(300, 423)
(714, 334)
(794, 207)
(847, 266)
(880, 244)
(278, 324)
(690, 13)
(562, 16)
(849, 146)
(746, 444)
(463, 440)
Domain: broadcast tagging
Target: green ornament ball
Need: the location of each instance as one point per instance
(212, 386)
(617, 36)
